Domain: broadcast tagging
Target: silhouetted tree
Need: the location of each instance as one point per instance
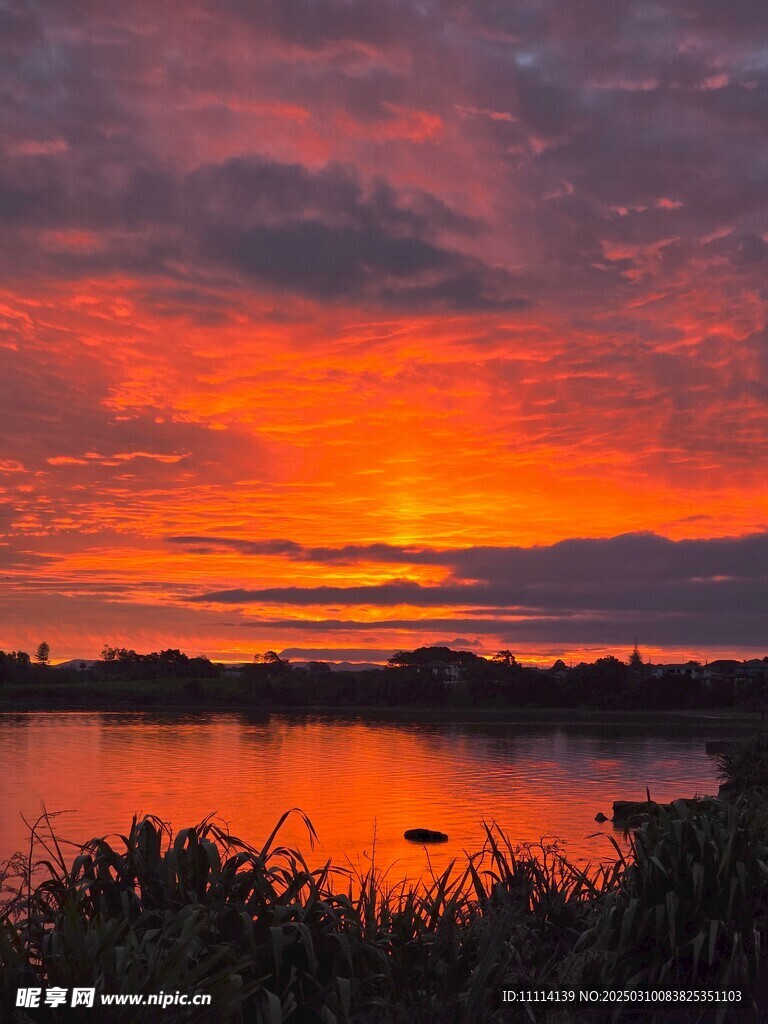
(505, 658)
(122, 654)
(168, 664)
(319, 668)
(399, 659)
(43, 653)
(635, 661)
(15, 667)
(269, 658)
(423, 655)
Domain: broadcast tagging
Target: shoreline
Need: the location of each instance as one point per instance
(534, 715)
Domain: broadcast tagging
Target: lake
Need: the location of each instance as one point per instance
(362, 782)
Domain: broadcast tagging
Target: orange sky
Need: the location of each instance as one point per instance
(307, 296)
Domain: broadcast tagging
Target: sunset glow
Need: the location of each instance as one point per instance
(334, 327)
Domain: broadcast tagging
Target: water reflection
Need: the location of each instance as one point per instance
(362, 783)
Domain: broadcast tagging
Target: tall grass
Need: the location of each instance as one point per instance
(277, 942)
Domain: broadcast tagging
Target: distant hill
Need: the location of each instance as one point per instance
(334, 666)
(341, 666)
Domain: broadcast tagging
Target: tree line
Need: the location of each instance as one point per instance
(424, 677)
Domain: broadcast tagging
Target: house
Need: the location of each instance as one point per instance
(446, 671)
(691, 669)
(559, 670)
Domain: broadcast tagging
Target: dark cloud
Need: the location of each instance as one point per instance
(325, 262)
(316, 233)
(579, 589)
(345, 555)
(403, 592)
(321, 233)
(317, 23)
(693, 632)
(77, 157)
(633, 557)
(567, 597)
(251, 191)
(480, 626)
(580, 116)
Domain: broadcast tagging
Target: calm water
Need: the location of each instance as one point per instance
(355, 779)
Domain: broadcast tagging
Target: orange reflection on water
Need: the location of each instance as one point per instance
(362, 784)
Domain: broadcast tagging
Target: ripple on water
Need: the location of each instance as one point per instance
(362, 783)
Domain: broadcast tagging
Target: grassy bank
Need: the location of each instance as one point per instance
(227, 695)
(136, 694)
(273, 941)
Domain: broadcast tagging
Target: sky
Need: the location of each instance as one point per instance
(346, 326)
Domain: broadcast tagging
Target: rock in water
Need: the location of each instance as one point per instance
(425, 835)
(600, 817)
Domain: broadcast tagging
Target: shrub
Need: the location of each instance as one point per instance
(744, 766)
(691, 908)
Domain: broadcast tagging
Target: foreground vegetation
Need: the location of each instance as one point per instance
(273, 940)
